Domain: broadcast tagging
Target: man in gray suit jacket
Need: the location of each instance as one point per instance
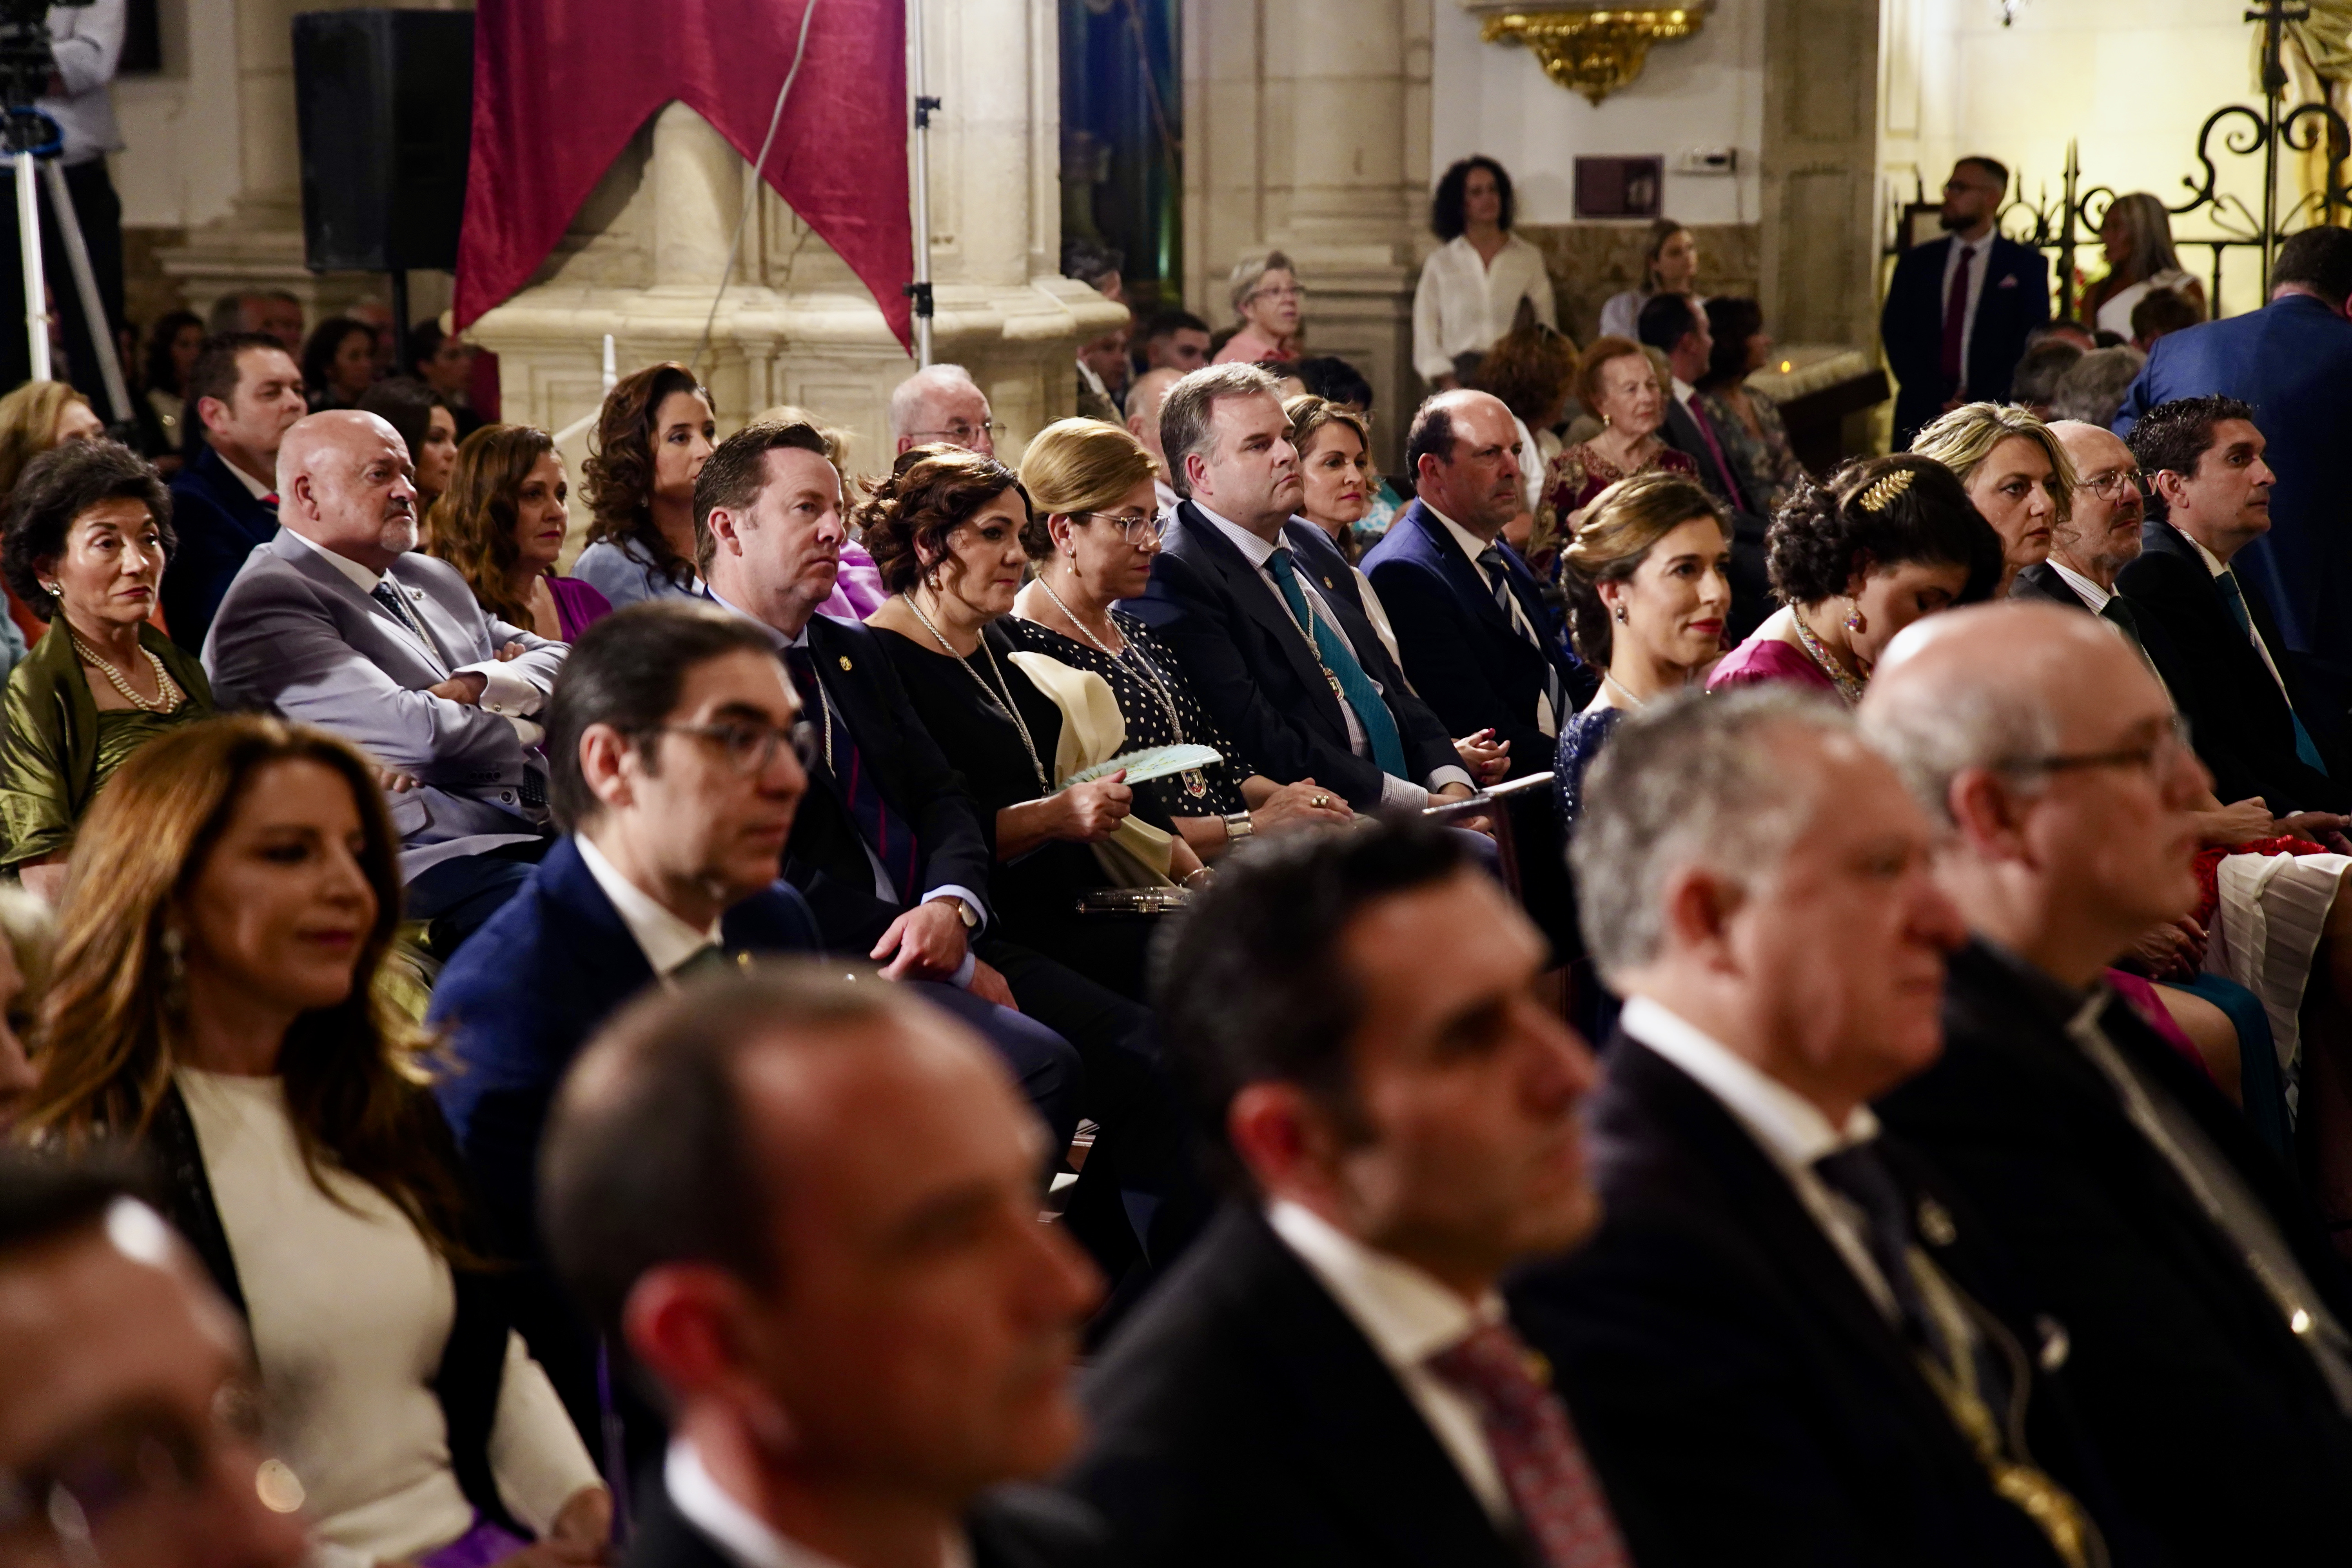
(337, 622)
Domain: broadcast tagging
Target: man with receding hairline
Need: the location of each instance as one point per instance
(1143, 400)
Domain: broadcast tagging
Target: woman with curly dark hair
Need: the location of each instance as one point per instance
(1853, 561)
(173, 343)
(339, 363)
(1480, 282)
(654, 434)
(501, 524)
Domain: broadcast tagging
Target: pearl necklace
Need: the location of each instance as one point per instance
(171, 694)
(1196, 784)
(1849, 687)
(1002, 703)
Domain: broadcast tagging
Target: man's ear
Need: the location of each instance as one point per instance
(603, 756)
(726, 536)
(694, 1327)
(1282, 1136)
(212, 412)
(2169, 484)
(1698, 905)
(1987, 813)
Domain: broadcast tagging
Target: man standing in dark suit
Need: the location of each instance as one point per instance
(1676, 326)
(2290, 361)
(1328, 1376)
(808, 1208)
(2257, 717)
(1959, 309)
(1299, 690)
(1786, 1344)
(2205, 1311)
(246, 392)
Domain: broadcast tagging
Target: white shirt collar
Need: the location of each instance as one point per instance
(664, 939)
(1093, 379)
(255, 487)
(2092, 594)
(1255, 551)
(1407, 1315)
(741, 1535)
(361, 577)
(1789, 1126)
(2213, 563)
(1472, 545)
(782, 640)
(1684, 391)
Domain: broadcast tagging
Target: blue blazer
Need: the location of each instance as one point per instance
(1460, 649)
(2292, 361)
(1254, 671)
(2015, 300)
(518, 1001)
(219, 523)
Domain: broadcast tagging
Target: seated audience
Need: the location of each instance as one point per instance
(1291, 670)
(2136, 234)
(2160, 314)
(2254, 712)
(2015, 473)
(1330, 1377)
(1669, 266)
(113, 1347)
(948, 529)
(1617, 384)
(339, 623)
(2205, 1311)
(90, 530)
(1092, 536)
(501, 523)
(339, 363)
(245, 394)
(273, 314)
(1649, 585)
(1780, 1344)
(230, 904)
(1269, 300)
(1884, 541)
(445, 362)
(1342, 387)
(427, 429)
(857, 590)
(1103, 375)
(2101, 533)
(857, 1351)
(1143, 402)
(1334, 380)
(2094, 387)
(1480, 279)
(37, 417)
(1096, 265)
(173, 344)
(1746, 421)
(1533, 370)
(27, 940)
(1335, 468)
(1174, 340)
(942, 403)
(653, 434)
(1676, 327)
(2041, 371)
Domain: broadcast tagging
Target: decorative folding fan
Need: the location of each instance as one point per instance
(1152, 763)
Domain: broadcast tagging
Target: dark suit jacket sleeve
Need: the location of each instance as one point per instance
(1439, 641)
(923, 784)
(1198, 624)
(211, 546)
(1914, 349)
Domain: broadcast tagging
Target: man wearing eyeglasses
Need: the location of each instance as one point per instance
(942, 403)
(2102, 535)
(674, 744)
(2201, 1315)
(126, 1429)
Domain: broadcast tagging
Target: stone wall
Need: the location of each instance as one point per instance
(1590, 261)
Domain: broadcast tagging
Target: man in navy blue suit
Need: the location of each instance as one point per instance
(2291, 362)
(1959, 309)
(673, 761)
(246, 392)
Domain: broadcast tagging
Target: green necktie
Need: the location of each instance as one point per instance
(1355, 686)
(2234, 596)
(708, 959)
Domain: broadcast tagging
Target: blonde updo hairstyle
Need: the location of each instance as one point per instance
(1073, 466)
(1621, 527)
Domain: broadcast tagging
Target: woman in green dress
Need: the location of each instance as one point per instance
(90, 530)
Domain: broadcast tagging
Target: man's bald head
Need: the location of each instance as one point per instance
(346, 484)
(1143, 401)
(2101, 535)
(1461, 451)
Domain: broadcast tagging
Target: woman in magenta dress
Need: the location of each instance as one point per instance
(1616, 382)
(1853, 561)
(502, 522)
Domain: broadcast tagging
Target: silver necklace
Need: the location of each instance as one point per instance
(1002, 703)
(1196, 782)
(1631, 700)
(170, 692)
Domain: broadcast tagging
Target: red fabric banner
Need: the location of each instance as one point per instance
(559, 86)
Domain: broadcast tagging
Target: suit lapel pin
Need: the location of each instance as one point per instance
(1936, 1226)
(1327, 583)
(845, 664)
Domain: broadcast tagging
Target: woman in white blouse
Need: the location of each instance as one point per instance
(1473, 286)
(227, 908)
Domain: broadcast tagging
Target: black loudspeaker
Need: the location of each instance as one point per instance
(384, 103)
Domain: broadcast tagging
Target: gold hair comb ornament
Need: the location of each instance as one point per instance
(1880, 496)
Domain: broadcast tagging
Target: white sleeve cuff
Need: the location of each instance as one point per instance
(961, 978)
(1452, 775)
(951, 890)
(1396, 792)
(504, 692)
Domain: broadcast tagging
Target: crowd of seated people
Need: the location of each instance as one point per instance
(784, 1048)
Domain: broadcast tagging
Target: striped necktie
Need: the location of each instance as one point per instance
(1498, 577)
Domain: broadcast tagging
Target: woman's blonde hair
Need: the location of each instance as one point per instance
(354, 1080)
(472, 525)
(1079, 464)
(1621, 527)
(2150, 228)
(28, 425)
(1962, 439)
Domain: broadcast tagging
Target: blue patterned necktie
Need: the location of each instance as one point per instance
(1354, 686)
(2234, 595)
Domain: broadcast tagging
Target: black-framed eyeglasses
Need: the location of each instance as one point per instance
(1135, 529)
(751, 749)
(2107, 487)
(961, 433)
(2155, 757)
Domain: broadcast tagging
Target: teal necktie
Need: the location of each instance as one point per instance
(2236, 597)
(1355, 686)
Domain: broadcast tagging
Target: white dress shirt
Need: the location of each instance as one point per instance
(2089, 592)
(1257, 552)
(2217, 566)
(1981, 249)
(1463, 302)
(666, 940)
(1788, 1128)
(504, 692)
(1472, 545)
(741, 1535)
(259, 491)
(1408, 1318)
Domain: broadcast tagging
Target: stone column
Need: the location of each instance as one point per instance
(643, 262)
(1307, 130)
(1820, 167)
